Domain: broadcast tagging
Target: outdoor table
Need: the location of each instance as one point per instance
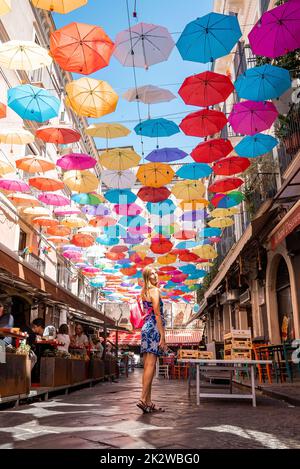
(216, 365)
(18, 336)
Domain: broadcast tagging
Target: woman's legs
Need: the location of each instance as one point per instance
(148, 375)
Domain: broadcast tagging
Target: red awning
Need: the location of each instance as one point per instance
(173, 337)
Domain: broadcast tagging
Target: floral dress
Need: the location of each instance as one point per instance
(150, 336)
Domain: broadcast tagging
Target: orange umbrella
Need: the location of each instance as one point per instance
(82, 240)
(45, 221)
(119, 249)
(46, 184)
(129, 271)
(102, 221)
(2, 110)
(59, 230)
(115, 256)
(197, 204)
(23, 200)
(167, 259)
(60, 135)
(34, 164)
(58, 240)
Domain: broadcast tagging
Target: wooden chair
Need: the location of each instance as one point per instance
(263, 370)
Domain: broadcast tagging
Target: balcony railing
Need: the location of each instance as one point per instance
(287, 130)
(36, 262)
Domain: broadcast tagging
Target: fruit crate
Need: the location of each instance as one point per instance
(238, 334)
(186, 353)
(206, 355)
(238, 355)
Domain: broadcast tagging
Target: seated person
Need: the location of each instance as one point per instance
(38, 327)
(7, 321)
(64, 338)
(79, 339)
(96, 345)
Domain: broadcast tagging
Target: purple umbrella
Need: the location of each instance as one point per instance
(134, 239)
(277, 32)
(251, 117)
(194, 215)
(14, 185)
(69, 211)
(96, 210)
(54, 199)
(71, 247)
(76, 161)
(164, 155)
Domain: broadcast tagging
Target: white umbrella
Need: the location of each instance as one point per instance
(23, 55)
(148, 94)
(118, 179)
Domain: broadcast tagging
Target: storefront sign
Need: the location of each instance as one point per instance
(286, 228)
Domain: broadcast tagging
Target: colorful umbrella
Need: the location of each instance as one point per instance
(82, 240)
(195, 204)
(130, 239)
(155, 128)
(262, 83)
(81, 181)
(210, 232)
(255, 145)
(6, 168)
(119, 159)
(120, 196)
(33, 103)
(153, 194)
(165, 155)
(74, 222)
(186, 256)
(76, 161)
(16, 136)
(14, 185)
(161, 208)
(81, 48)
(59, 230)
(209, 37)
(277, 32)
(59, 212)
(118, 179)
(250, 117)
(228, 200)
(139, 229)
(54, 199)
(3, 110)
(91, 198)
(186, 245)
(59, 6)
(57, 240)
(225, 185)
(149, 94)
(231, 165)
(129, 210)
(23, 55)
(132, 221)
(194, 171)
(34, 164)
(60, 135)
(206, 252)
(185, 234)
(23, 200)
(46, 184)
(143, 45)
(194, 215)
(188, 190)
(155, 174)
(91, 98)
(221, 222)
(206, 89)
(107, 130)
(5, 7)
(160, 245)
(203, 123)
(45, 221)
(223, 212)
(212, 150)
(106, 241)
(115, 231)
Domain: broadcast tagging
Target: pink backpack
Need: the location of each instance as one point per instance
(137, 316)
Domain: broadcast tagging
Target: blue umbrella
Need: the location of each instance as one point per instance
(194, 215)
(209, 37)
(188, 269)
(132, 221)
(256, 145)
(120, 196)
(138, 274)
(157, 128)
(33, 103)
(165, 155)
(165, 207)
(165, 230)
(106, 241)
(199, 273)
(187, 245)
(194, 171)
(115, 231)
(263, 82)
(210, 232)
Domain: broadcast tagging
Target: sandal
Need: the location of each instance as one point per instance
(144, 407)
(153, 408)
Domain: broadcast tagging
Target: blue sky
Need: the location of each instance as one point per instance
(111, 15)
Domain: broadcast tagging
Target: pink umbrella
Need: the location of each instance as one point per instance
(277, 32)
(91, 270)
(14, 185)
(59, 212)
(178, 278)
(76, 161)
(128, 210)
(139, 229)
(251, 117)
(54, 199)
(74, 255)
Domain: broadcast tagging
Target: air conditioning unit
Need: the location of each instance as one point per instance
(245, 298)
(229, 297)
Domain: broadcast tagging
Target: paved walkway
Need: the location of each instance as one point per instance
(106, 416)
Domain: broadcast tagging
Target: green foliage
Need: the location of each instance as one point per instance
(206, 282)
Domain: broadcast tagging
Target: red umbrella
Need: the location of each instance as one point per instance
(129, 271)
(115, 256)
(206, 89)
(185, 234)
(225, 185)
(231, 165)
(146, 261)
(102, 221)
(129, 210)
(118, 249)
(153, 194)
(186, 256)
(203, 123)
(60, 135)
(179, 278)
(212, 150)
(82, 240)
(160, 245)
(168, 268)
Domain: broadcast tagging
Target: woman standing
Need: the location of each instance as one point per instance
(153, 342)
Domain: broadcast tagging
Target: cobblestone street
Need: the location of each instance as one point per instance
(106, 416)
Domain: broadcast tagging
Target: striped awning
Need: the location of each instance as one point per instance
(173, 337)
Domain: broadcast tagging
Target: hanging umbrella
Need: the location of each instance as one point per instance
(209, 37)
(91, 198)
(45, 222)
(82, 240)
(76, 161)
(3, 110)
(95, 210)
(74, 222)
(33, 103)
(130, 239)
(14, 185)
(165, 207)
(160, 245)
(106, 241)
(155, 174)
(59, 6)
(231, 165)
(118, 179)
(34, 164)
(153, 194)
(155, 128)
(73, 255)
(206, 252)
(143, 45)
(115, 231)
(81, 181)
(186, 245)
(119, 159)
(5, 7)
(223, 222)
(194, 215)
(139, 229)
(210, 232)
(203, 123)
(195, 204)
(212, 150)
(185, 234)
(60, 135)
(165, 155)
(255, 145)
(250, 117)
(91, 98)
(107, 130)
(264, 82)
(188, 190)
(23, 55)
(277, 32)
(81, 48)
(223, 212)
(206, 89)
(165, 230)
(16, 137)
(23, 200)
(54, 199)
(225, 185)
(128, 210)
(59, 230)
(120, 196)
(186, 256)
(102, 221)
(132, 221)
(231, 199)
(59, 212)
(149, 94)
(6, 168)
(194, 171)
(57, 240)
(46, 184)
(89, 229)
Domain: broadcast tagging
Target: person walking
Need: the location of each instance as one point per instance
(153, 342)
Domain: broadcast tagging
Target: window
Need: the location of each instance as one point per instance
(240, 64)
(22, 242)
(264, 5)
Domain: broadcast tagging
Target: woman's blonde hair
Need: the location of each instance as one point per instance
(147, 271)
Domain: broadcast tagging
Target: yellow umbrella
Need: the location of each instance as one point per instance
(191, 282)
(36, 211)
(16, 136)
(81, 181)
(119, 159)
(59, 6)
(23, 55)
(204, 264)
(188, 190)
(74, 222)
(23, 200)
(155, 174)
(107, 130)
(5, 7)
(197, 204)
(206, 251)
(141, 248)
(224, 212)
(221, 222)
(91, 98)
(167, 259)
(6, 168)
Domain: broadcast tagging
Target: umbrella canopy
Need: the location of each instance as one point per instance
(277, 32)
(165, 230)
(118, 179)
(128, 210)
(153, 194)
(23, 55)
(57, 240)
(60, 135)
(74, 222)
(255, 145)
(34, 164)
(149, 94)
(155, 128)
(16, 136)
(46, 184)
(14, 185)
(225, 185)
(227, 200)
(54, 199)
(6, 168)
(5, 7)
(45, 221)
(212, 150)
(119, 159)
(250, 117)
(106, 241)
(194, 215)
(206, 89)
(33, 103)
(165, 155)
(223, 212)
(206, 252)
(3, 110)
(210, 232)
(23, 200)
(81, 181)
(160, 245)
(91, 98)
(91, 198)
(62, 212)
(139, 229)
(59, 6)
(155, 174)
(143, 45)
(264, 82)
(203, 123)
(185, 234)
(186, 256)
(195, 204)
(209, 37)
(82, 240)
(223, 222)
(132, 221)
(194, 171)
(81, 48)
(188, 190)
(161, 208)
(76, 161)
(59, 230)
(120, 196)
(231, 165)
(107, 130)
